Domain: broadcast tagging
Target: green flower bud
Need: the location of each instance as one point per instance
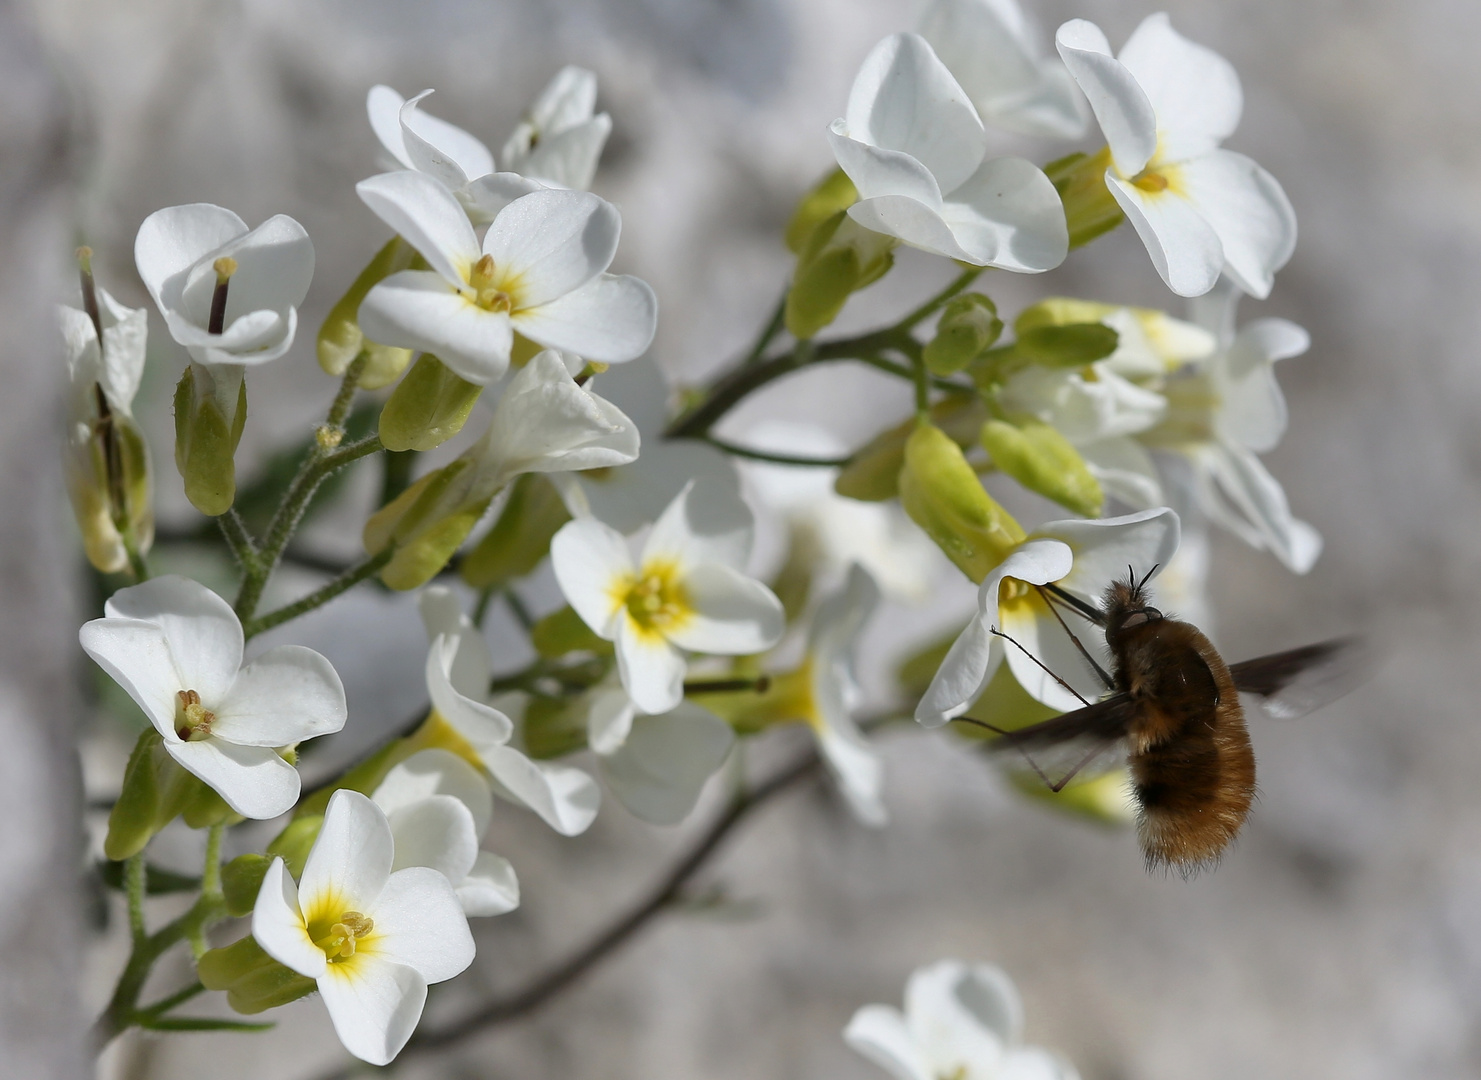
(554, 727)
(1089, 207)
(210, 409)
(563, 632)
(1062, 311)
(520, 538)
(110, 484)
(202, 807)
(241, 880)
(1041, 459)
(841, 258)
(941, 493)
(424, 525)
(252, 979)
(833, 193)
(427, 408)
(340, 339)
(969, 325)
(155, 791)
(873, 472)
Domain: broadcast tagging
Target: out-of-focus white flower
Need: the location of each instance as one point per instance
(1080, 557)
(686, 590)
(372, 938)
(961, 1022)
(559, 140)
(916, 151)
(439, 807)
(540, 271)
(1165, 104)
(187, 254)
(987, 45)
(176, 647)
(458, 677)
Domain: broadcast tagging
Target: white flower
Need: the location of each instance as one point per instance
(960, 1022)
(1164, 106)
(372, 939)
(986, 44)
(685, 591)
(540, 271)
(439, 807)
(914, 147)
(1222, 414)
(458, 675)
(559, 141)
(116, 368)
(1080, 557)
(457, 160)
(176, 647)
(183, 251)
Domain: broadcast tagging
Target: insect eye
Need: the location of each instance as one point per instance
(1141, 615)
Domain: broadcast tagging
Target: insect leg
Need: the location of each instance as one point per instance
(1100, 671)
(1032, 764)
(1086, 760)
(1041, 664)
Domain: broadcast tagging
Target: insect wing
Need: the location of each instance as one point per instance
(1080, 743)
(1299, 681)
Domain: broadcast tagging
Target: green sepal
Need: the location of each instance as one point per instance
(942, 494)
(1072, 345)
(425, 524)
(340, 339)
(563, 632)
(241, 881)
(520, 538)
(873, 472)
(841, 258)
(834, 193)
(203, 808)
(206, 443)
(296, 840)
(1044, 461)
(155, 790)
(252, 979)
(554, 727)
(969, 325)
(1090, 209)
(428, 407)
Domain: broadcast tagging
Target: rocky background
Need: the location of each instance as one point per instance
(1341, 938)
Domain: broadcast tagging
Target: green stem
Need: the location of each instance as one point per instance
(481, 609)
(319, 597)
(210, 884)
(243, 547)
(776, 459)
(164, 1005)
(135, 874)
(137, 566)
(768, 333)
(518, 610)
(340, 407)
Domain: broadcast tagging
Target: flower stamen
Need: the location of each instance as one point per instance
(192, 719)
(657, 600)
(339, 943)
(488, 290)
(224, 267)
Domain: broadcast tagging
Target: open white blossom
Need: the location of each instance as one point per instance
(561, 138)
(961, 1022)
(916, 151)
(687, 590)
(540, 271)
(1080, 557)
(371, 937)
(1165, 104)
(176, 647)
(987, 45)
(183, 252)
(439, 807)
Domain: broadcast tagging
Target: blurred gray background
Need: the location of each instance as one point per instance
(1341, 938)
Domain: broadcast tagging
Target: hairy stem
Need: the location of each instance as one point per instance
(776, 459)
(243, 547)
(320, 596)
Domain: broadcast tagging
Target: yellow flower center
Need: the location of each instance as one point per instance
(655, 597)
(339, 942)
(192, 719)
(493, 290)
(957, 1073)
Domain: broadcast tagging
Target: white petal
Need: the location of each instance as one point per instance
(858, 771)
(1121, 106)
(427, 216)
(419, 923)
(610, 319)
(374, 1005)
(660, 769)
(486, 197)
(1194, 91)
(1042, 641)
(566, 798)
(254, 780)
(556, 241)
(1033, 1063)
(609, 719)
(730, 614)
(351, 860)
(652, 670)
(442, 613)
(905, 99)
(125, 331)
(440, 149)
(962, 1014)
(1008, 215)
(436, 772)
(472, 667)
(287, 694)
(136, 655)
(1103, 549)
(383, 106)
(567, 99)
(1184, 247)
(879, 1033)
(594, 568)
(1260, 498)
(275, 263)
(203, 633)
(172, 240)
(482, 725)
(879, 172)
(702, 525)
(278, 926)
(490, 887)
(841, 617)
(1252, 409)
(1125, 471)
(435, 832)
(416, 309)
(911, 222)
(569, 158)
(1249, 211)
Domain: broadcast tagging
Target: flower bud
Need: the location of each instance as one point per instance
(110, 484)
(873, 472)
(340, 339)
(520, 538)
(1044, 461)
(563, 632)
(210, 409)
(941, 493)
(833, 193)
(241, 880)
(554, 727)
(969, 325)
(155, 790)
(425, 525)
(841, 258)
(1089, 208)
(252, 979)
(430, 406)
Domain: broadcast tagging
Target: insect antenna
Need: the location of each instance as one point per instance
(1100, 671)
(1042, 666)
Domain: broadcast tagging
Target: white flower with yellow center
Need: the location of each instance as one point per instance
(961, 1022)
(176, 647)
(540, 271)
(1165, 104)
(372, 938)
(1079, 557)
(685, 591)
